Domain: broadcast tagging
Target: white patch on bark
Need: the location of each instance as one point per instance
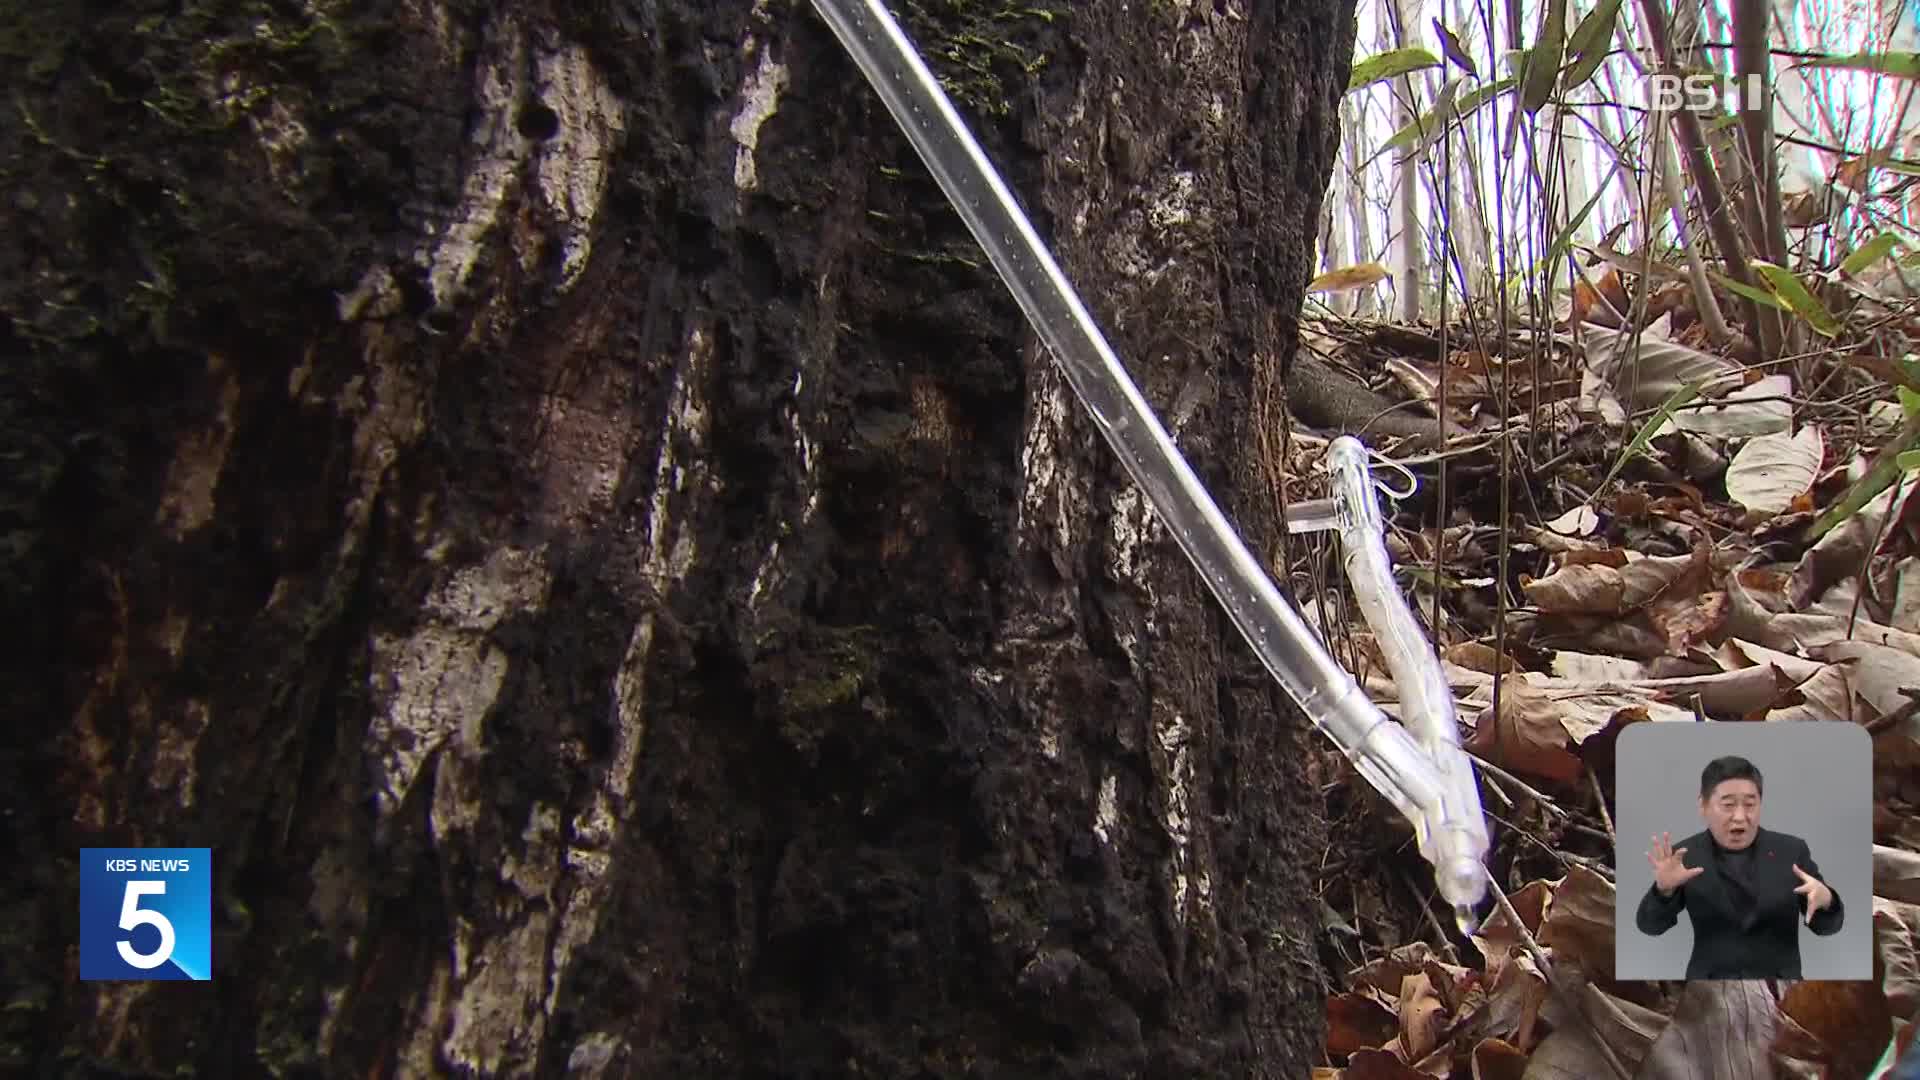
(374, 296)
(759, 97)
(536, 871)
(1106, 815)
(437, 682)
(175, 753)
(572, 166)
(495, 1018)
(593, 1054)
(769, 574)
(420, 1057)
(113, 1004)
(1044, 480)
(1050, 739)
(1172, 205)
(1173, 737)
(1134, 528)
(187, 503)
(93, 750)
(282, 134)
(667, 557)
(497, 152)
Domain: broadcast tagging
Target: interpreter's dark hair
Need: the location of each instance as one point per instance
(1722, 769)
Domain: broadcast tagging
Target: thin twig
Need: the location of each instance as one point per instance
(1426, 908)
(1528, 942)
(1600, 798)
(1532, 792)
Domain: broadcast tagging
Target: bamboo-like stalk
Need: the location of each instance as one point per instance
(1754, 68)
(1706, 180)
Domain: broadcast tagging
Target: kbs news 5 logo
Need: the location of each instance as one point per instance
(146, 913)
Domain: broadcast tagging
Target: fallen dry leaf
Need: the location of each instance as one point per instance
(1790, 632)
(1374, 1065)
(1423, 1017)
(1348, 278)
(1579, 921)
(1496, 1059)
(1720, 1030)
(1609, 582)
(1896, 874)
(1584, 588)
(1771, 471)
(1845, 548)
(1594, 667)
(1689, 621)
(1797, 1054)
(1850, 1020)
(1895, 926)
(1527, 735)
(1358, 1022)
(1475, 656)
(1685, 610)
(1579, 521)
(1827, 696)
(1384, 974)
(1510, 1008)
(1735, 653)
(1759, 408)
(1584, 1020)
(1629, 636)
(1530, 903)
(1906, 596)
(1879, 672)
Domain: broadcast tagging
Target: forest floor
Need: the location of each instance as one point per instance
(1640, 528)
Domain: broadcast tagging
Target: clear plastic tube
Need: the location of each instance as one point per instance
(1456, 837)
(1384, 752)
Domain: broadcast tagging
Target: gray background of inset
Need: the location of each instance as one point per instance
(1818, 785)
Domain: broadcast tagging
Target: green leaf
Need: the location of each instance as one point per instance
(1429, 127)
(1565, 240)
(1886, 469)
(1757, 295)
(1388, 65)
(1869, 253)
(1543, 60)
(1909, 401)
(1589, 44)
(1908, 460)
(1442, 115)
(1456, 52)
(1787, 286)
(1904, 65)
(1649, 429)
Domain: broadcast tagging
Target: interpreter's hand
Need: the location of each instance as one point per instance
(1818, 895)
(1670, 870)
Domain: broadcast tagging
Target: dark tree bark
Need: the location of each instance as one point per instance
(552, 496)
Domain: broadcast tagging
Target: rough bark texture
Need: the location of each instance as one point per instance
(554, 499)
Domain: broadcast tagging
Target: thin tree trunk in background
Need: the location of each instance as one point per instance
(554, 498)
(1753, 66)
(1359, 212)
(1412, 261)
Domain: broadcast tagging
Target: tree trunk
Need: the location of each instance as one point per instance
(556, 501)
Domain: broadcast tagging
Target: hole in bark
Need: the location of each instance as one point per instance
(536, 121)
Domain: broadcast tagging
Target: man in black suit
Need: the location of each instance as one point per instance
(1744, 888)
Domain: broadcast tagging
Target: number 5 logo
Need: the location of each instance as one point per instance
(132, 915)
